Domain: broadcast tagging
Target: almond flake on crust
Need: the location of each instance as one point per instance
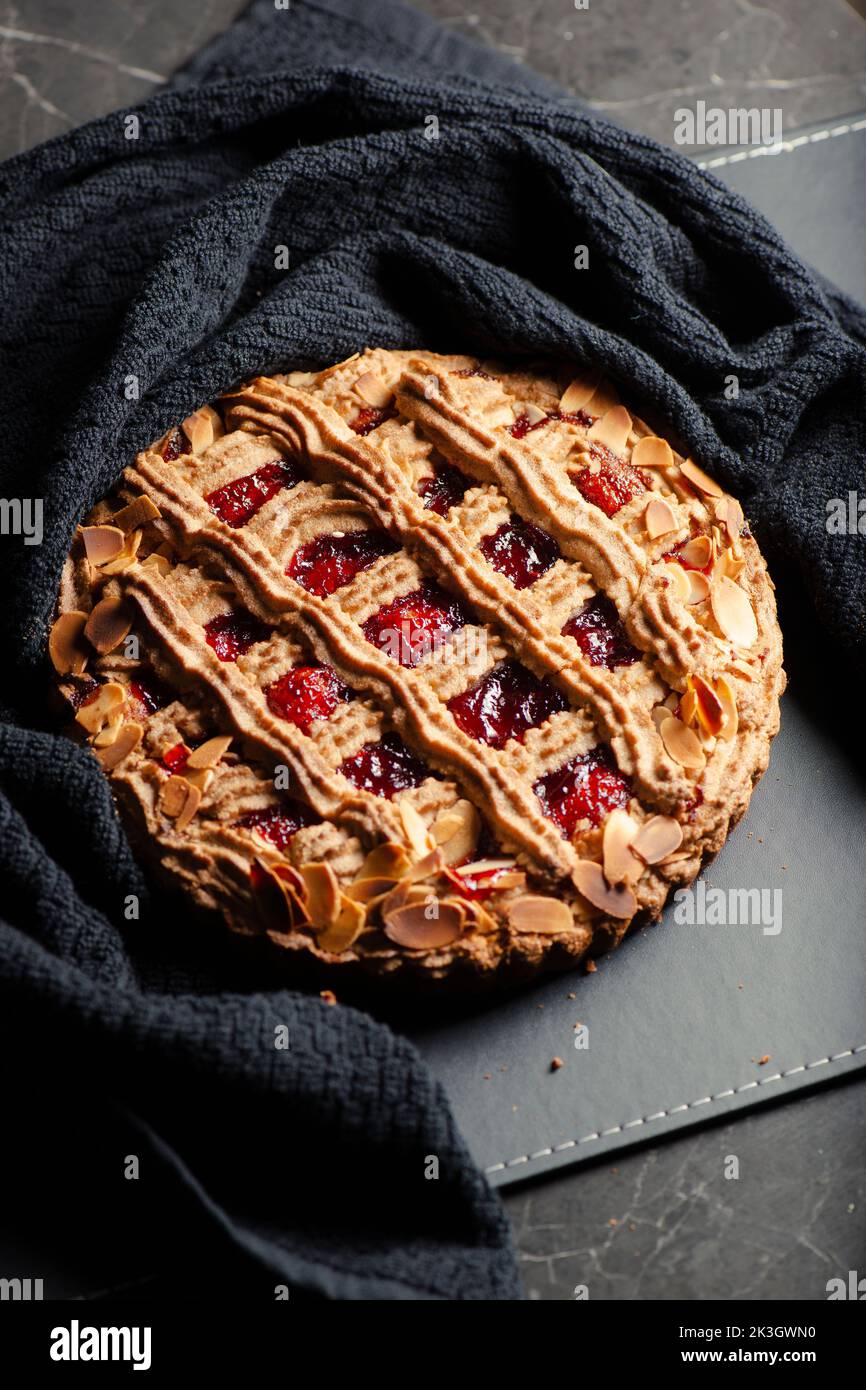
(65, 646)
(109, 622)
(102, 543)
(733, 612)
(615, 900)
(535, 913)
(612, 429)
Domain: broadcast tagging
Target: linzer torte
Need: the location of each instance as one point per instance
(422, 666)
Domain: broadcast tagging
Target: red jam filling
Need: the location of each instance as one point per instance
(523, 426)
(384, 768)
(615, 483)
(176, 444)
(304, 694)
(370, 417)
(479, 885)
(600, 634)
(82, 694)
(415, 625)
(475, 371)
(237, 501)
(507, 702)
(176, 758)
(520, 551)
(327, 563)
(444, 490)
(232, 634)
(277, 824)
(151, 694)
(587, 788)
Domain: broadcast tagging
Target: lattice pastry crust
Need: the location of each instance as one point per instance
(423, 666)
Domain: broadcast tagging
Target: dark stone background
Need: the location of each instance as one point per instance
(663, 1223)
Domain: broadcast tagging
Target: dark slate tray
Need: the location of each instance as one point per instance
(681, 1018)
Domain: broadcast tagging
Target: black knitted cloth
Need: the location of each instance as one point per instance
(137, 279)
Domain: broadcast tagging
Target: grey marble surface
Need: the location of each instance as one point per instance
(663, 1222)
(63, 62)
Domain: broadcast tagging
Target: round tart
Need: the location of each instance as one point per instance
(421, 666)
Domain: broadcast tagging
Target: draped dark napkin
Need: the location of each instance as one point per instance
(430, 193)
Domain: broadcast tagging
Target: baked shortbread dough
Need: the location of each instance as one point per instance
(422, 666)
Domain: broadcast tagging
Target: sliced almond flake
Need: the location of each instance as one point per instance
(209, 753)
(678, 581)
(672, 700)
(699, 479)
(620, 865)
(659, 517)
(373, 390)
(589, 879)
(697, 552)
(350, 921)
(102, 543)
(419, 837)
(388, 860)
(578, 393)
(135, 514)
(173, 797)
(456, 831)
(66, 646)
(411, 926)
(540, 915)
(199, 777)
(652, 452)
(612, 429)
(369, 890)
(699, 587)
(126, 557)
(108, 733)
(603, 399)
(480, 917)
(730, 514)
(484, 866)
(429, 867)
(509, 878)
(95, 714)
(683, 745)
(193, 801)
(730, 717)
(707, 704)
(322, 894)
(202, 428)
(534, 413)
(128, 738)
(659, 715)
(733, 612)
(657, 838)
(688, 707)
(291, 895)
(402, 893)
(108, 624)
(742, 668)
(729, 565)
(158, 563)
